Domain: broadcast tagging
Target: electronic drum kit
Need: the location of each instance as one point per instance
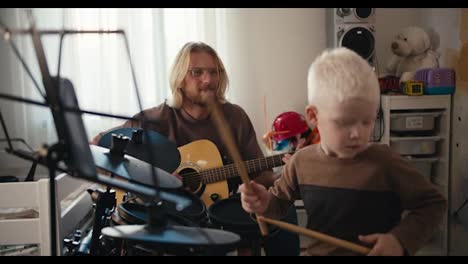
(139, 225)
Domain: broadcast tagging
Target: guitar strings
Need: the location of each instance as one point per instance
(209, 173)
(211, 176)
(194, 177)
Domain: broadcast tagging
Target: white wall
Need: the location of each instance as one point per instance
(269, 53)
(446, 21)
(270, 50)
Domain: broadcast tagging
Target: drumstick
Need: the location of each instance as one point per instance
(265, 113)
(226, 136)
(314, 234)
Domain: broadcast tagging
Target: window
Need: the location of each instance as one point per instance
(98, 65)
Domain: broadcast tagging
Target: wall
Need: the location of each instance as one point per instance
(269, 53)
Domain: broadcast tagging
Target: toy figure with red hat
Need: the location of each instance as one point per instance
(289, 132)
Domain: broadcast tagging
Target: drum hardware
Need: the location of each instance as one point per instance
(116, 161)
(134, 211)
(138, 147)
(73, 243)
(132, 169)
(105, 201)
(228, 215)
(84, 247)
(170, 238)
(105, 206)
(72, 154)
(92, 244)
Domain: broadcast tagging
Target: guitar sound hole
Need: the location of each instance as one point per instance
(191, 179)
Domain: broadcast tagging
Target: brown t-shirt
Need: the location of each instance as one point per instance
(178, 126)
(345, 198)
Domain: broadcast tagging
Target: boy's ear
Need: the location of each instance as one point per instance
(311, 113)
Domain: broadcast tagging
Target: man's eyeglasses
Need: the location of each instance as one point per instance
(198, 72)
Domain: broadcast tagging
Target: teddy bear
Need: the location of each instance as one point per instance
(413, 49)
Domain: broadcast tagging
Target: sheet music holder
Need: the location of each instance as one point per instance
(72, 153)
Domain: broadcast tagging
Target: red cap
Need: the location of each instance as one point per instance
(291, 123)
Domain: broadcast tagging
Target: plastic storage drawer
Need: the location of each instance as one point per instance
(423, 165)
(414, 145)
(405, 122)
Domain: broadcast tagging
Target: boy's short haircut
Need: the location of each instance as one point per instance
(341, 73)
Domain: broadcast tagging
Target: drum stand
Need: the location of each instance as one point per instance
(157, 221)
(105, 206)
(54, 156)
(105, 203)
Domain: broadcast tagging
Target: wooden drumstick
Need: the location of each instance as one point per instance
(226, 136)
(314, 234)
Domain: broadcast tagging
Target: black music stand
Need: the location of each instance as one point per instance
(72, 153)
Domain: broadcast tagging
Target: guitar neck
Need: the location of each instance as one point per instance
(252, 166)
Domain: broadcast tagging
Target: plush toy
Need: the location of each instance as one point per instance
(413, 49)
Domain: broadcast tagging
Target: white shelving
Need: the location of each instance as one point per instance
(425, 145)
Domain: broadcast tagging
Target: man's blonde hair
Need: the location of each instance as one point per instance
(340, 74)
(181, 66)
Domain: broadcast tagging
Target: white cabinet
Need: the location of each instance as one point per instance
(418, 127)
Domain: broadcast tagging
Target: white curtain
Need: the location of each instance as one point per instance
(98, 65)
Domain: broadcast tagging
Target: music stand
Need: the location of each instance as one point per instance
(72, 147)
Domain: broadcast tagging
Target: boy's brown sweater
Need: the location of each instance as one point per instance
(364, 195)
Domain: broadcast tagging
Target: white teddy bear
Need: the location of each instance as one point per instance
(413, 49)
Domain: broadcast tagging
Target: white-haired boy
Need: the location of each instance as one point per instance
(351, 189)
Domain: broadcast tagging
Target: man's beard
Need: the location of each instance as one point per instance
(200, 99)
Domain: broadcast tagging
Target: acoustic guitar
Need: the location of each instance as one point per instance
(203, 173)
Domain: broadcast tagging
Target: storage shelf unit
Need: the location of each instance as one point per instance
(426, 144)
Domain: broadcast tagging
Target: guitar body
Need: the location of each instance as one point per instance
(198, 156)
